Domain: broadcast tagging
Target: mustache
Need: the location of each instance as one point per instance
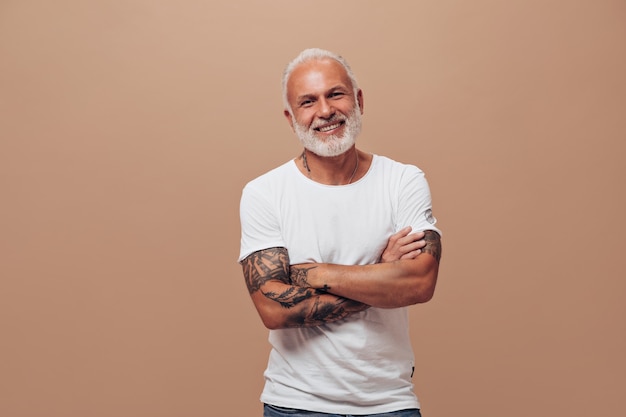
(335, 118)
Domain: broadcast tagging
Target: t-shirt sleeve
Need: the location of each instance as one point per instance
(415, 205)
(260, 226)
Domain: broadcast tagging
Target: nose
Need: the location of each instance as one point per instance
(325, 109)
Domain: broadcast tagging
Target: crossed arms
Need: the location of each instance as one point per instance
(311, 294)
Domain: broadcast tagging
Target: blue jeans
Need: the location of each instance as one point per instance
(274, 411)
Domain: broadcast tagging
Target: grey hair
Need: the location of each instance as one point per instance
(315, 54)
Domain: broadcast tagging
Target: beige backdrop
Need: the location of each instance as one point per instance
(128, 129)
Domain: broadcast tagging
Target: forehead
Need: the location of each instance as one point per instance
(314, 77)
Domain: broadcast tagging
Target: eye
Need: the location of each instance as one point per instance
(336, 94)
(306, 103)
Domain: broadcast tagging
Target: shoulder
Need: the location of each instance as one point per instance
(393, 168)
(272, 177)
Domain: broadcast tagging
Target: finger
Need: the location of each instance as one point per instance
(402, 232)
(413, 237)
(411, 255)
(409, 247)
(417, 235)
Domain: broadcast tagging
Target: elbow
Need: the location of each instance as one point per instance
(418, 298)
(418, 295)
(272, 324)
(269, 311)
(271, 318)
(421, 279)
(424, 296)
(270, 321)
(424, 292)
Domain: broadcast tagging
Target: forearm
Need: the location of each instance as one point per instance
(386, 285)
(281, 304)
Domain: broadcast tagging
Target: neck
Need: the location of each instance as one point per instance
(337, 170)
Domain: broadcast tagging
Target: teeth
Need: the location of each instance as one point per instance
(327, 128)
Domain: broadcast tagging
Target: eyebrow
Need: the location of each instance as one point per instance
(338, 87)
(304, 97)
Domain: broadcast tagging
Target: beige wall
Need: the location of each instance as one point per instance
(129, 128)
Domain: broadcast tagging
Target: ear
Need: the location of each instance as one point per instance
(289, 118)
(359, 98)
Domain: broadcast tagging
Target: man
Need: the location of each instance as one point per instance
(335, 245)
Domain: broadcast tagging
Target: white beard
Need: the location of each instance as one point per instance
(332, 145)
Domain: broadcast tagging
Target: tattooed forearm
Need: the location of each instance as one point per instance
(265, 265)
(299, 276)
(268, 272)
(433, 244)
(324, 312)
(291, 296)
(273, 265)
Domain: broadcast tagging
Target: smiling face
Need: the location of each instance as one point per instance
(325, 111)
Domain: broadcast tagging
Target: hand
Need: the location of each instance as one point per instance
(403, 245)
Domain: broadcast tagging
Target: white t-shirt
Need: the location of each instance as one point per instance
(362, 364)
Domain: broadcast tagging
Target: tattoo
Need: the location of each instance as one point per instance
(265, 265)
(433, 244)
(291, 296)
(324, 312)
(299, 276)
(305, 163)
(317, 306)
(273, 265)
